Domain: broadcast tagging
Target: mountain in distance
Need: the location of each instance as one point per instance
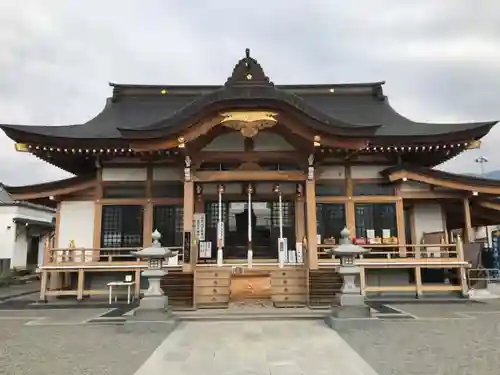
(492, 175)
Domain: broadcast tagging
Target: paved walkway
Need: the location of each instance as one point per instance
(241, 348)
(19, 290)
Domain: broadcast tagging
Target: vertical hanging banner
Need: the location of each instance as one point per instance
(220, 234)
(199, 226)
(187, 247)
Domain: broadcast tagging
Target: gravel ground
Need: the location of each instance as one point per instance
(76, 349)
(435, 344)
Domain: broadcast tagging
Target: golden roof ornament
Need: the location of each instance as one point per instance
(248, 71)
(249, 123)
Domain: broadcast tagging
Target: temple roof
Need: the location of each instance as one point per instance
(443, 179)
(344, 110)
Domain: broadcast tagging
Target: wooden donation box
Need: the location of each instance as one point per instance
(250, 285)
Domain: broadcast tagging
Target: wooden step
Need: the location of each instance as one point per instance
(178, 286)
(323, 286)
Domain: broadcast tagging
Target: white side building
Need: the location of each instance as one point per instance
(24, 228)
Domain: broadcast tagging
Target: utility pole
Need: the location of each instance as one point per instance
(482, 160)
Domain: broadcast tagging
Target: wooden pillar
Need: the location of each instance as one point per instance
(312, 242)
(350, 210)
(188, 224)
(445, 225)
(54, 279)
(400, 222)
(147, 231)
(413, 228)
(43, 285)
(97, 215)
(468, 236)
(81, 284)
(462, 272)
(300, 222)
(137, 285)
(147, 235)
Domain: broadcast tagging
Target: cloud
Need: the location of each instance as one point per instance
(441, 59)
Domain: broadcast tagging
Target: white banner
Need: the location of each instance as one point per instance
(220, 233)
(199, 223)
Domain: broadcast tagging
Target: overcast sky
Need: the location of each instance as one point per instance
(440, 58)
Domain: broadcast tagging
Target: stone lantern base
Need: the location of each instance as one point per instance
(154, 304)
(344, 316)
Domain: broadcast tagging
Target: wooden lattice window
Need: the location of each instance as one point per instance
(122, 226)
(330, 220)
(212, 213)
(377, 216)
(169, 221)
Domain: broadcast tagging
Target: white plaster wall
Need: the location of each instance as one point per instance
(7, 231)
(332, 172)
(367, 171)
(16, 247)
(166, 174)
(124, 174)
(76, 223)
(233, 141)
(19, 256)
(428, 218)
(271, 142)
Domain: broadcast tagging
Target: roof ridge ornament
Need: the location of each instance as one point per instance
(248, 71)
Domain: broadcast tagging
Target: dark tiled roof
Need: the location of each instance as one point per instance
(350, 110)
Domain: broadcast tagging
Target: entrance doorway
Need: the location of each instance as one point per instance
(32, 253)
(265, 227)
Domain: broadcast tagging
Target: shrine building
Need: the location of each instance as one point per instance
(250, 181)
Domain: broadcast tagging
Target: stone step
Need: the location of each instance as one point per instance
(228, 315)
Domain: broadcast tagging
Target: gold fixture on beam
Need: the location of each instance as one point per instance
(473, 145)
(249, 123)
(317, 141)
(22, 147)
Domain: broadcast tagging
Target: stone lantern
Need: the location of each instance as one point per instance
(154, 299)
(350, 301)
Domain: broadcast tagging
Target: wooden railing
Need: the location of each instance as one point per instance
(398, 252)
(62, 256)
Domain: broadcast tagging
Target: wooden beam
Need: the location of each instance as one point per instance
(432, 195)
(220, 176)
(489, 205)
(248, 156)
(54, 192)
